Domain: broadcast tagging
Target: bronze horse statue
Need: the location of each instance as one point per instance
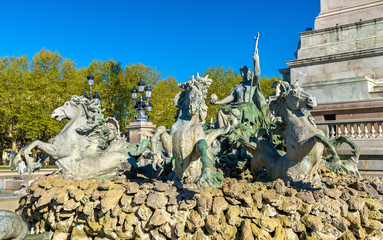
(305, 143)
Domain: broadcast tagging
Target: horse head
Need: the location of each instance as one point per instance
(193, 97)
(295, 98)
(69, 110)
(80, 106)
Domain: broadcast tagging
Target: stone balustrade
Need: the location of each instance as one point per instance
(353, 128)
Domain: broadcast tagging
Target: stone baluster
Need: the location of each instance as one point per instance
(339, 131)
(332, 132)
(345, 130)
(365, 130)
(380, 131)
(373, 130)
(358, 131)
(352, 131)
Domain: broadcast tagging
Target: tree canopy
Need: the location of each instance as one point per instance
(32, 89)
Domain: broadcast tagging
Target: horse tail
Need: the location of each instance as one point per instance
(212, 136)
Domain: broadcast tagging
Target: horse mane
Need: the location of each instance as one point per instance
(92, 110)
(198, 86)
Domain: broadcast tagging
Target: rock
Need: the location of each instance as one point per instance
(312, 222)
(330, 232)
(155, 234)
(271, 197)
(343, 207)
(305, 208)
(111, 198)
(232, 216)
(374, 214)
(212, 224)
(179, 229)
(333, 192)
(144, 212)
(58, 235)
(268, 210)
(340, 223)
(332, 208)
(156, 200)
(290, 234)
(232, 201)
(194, 221)
(378, 187)
(348, 235)
(161, 187)
(204, 203)
(230, 188)
(375, 225)
(257, 198)
(318, 194)
(127, 234)
(65, 226)
(187, 204)
(372, 205)
(266, 223)
(279, 233)
(246, 232)
(285, 221)
(219, 205)
(132, 188)
(306, 196)
(166, 230)
(290, 204)
(228, 231)
(355, 203)
(71, 205)
(260, 233)
(78, 233)
(354, 219)
(139, 198)
(46, 197)
(279, 186)
(159, 217)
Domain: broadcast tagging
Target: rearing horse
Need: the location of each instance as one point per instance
(80, 150)
(187, 143)
(301, 135)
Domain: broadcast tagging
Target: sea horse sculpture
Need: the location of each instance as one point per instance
(89, 146)
(187, 144)
(301, 136)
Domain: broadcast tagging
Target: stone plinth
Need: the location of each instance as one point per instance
(340, 12)
(341, 63)
(137, 126)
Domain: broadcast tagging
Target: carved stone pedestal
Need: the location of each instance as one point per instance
(137, 126)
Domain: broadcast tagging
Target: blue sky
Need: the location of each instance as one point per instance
(179, 38)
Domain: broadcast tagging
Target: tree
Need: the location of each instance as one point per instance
(266, 83)
(223, 82)
(162, 98)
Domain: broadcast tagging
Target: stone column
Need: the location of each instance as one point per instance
(135, 127)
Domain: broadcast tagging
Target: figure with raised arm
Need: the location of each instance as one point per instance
(245, 103)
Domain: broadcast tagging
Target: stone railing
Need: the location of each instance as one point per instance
(358, 128)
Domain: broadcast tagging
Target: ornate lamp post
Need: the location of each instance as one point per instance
(142, 102)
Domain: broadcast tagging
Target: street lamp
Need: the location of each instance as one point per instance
(90, 82)
(142, 102)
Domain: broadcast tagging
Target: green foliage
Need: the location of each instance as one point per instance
(31, 90)
(265, 84)
(162, 99)
(223, 82)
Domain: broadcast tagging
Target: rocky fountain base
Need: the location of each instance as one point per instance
(347, 208)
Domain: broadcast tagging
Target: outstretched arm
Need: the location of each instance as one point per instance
(226, 100)
(256, 66)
